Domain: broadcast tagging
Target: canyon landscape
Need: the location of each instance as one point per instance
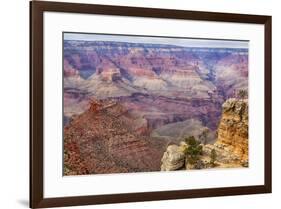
(140, 104)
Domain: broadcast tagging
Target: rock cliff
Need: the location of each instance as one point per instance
(233, 127)
(101, 140)
(229, 151)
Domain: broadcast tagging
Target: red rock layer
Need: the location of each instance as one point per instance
(101, 141)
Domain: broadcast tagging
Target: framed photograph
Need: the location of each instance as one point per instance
(139, 104)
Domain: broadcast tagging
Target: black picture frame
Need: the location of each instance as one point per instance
(37, 8)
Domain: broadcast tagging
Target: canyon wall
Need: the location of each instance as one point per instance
(102, 140)
(161, 83)
(233, 127)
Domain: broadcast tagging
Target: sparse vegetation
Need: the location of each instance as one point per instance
(194, 153)
(213, 158)
(193, 150)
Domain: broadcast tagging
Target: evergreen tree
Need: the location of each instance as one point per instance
(193, 150)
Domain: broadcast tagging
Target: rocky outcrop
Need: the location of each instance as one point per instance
(173, 158)
(230, 149)
(101, 140)
(233, 127)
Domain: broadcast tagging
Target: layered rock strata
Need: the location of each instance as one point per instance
(233, 127)
(101, 140)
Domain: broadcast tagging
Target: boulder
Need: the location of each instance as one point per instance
(173, 159)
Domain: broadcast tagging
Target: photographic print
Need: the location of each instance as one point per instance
(117, 96)
(141, 103)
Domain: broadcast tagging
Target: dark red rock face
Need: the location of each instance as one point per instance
(101, 140)
(152, 86)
